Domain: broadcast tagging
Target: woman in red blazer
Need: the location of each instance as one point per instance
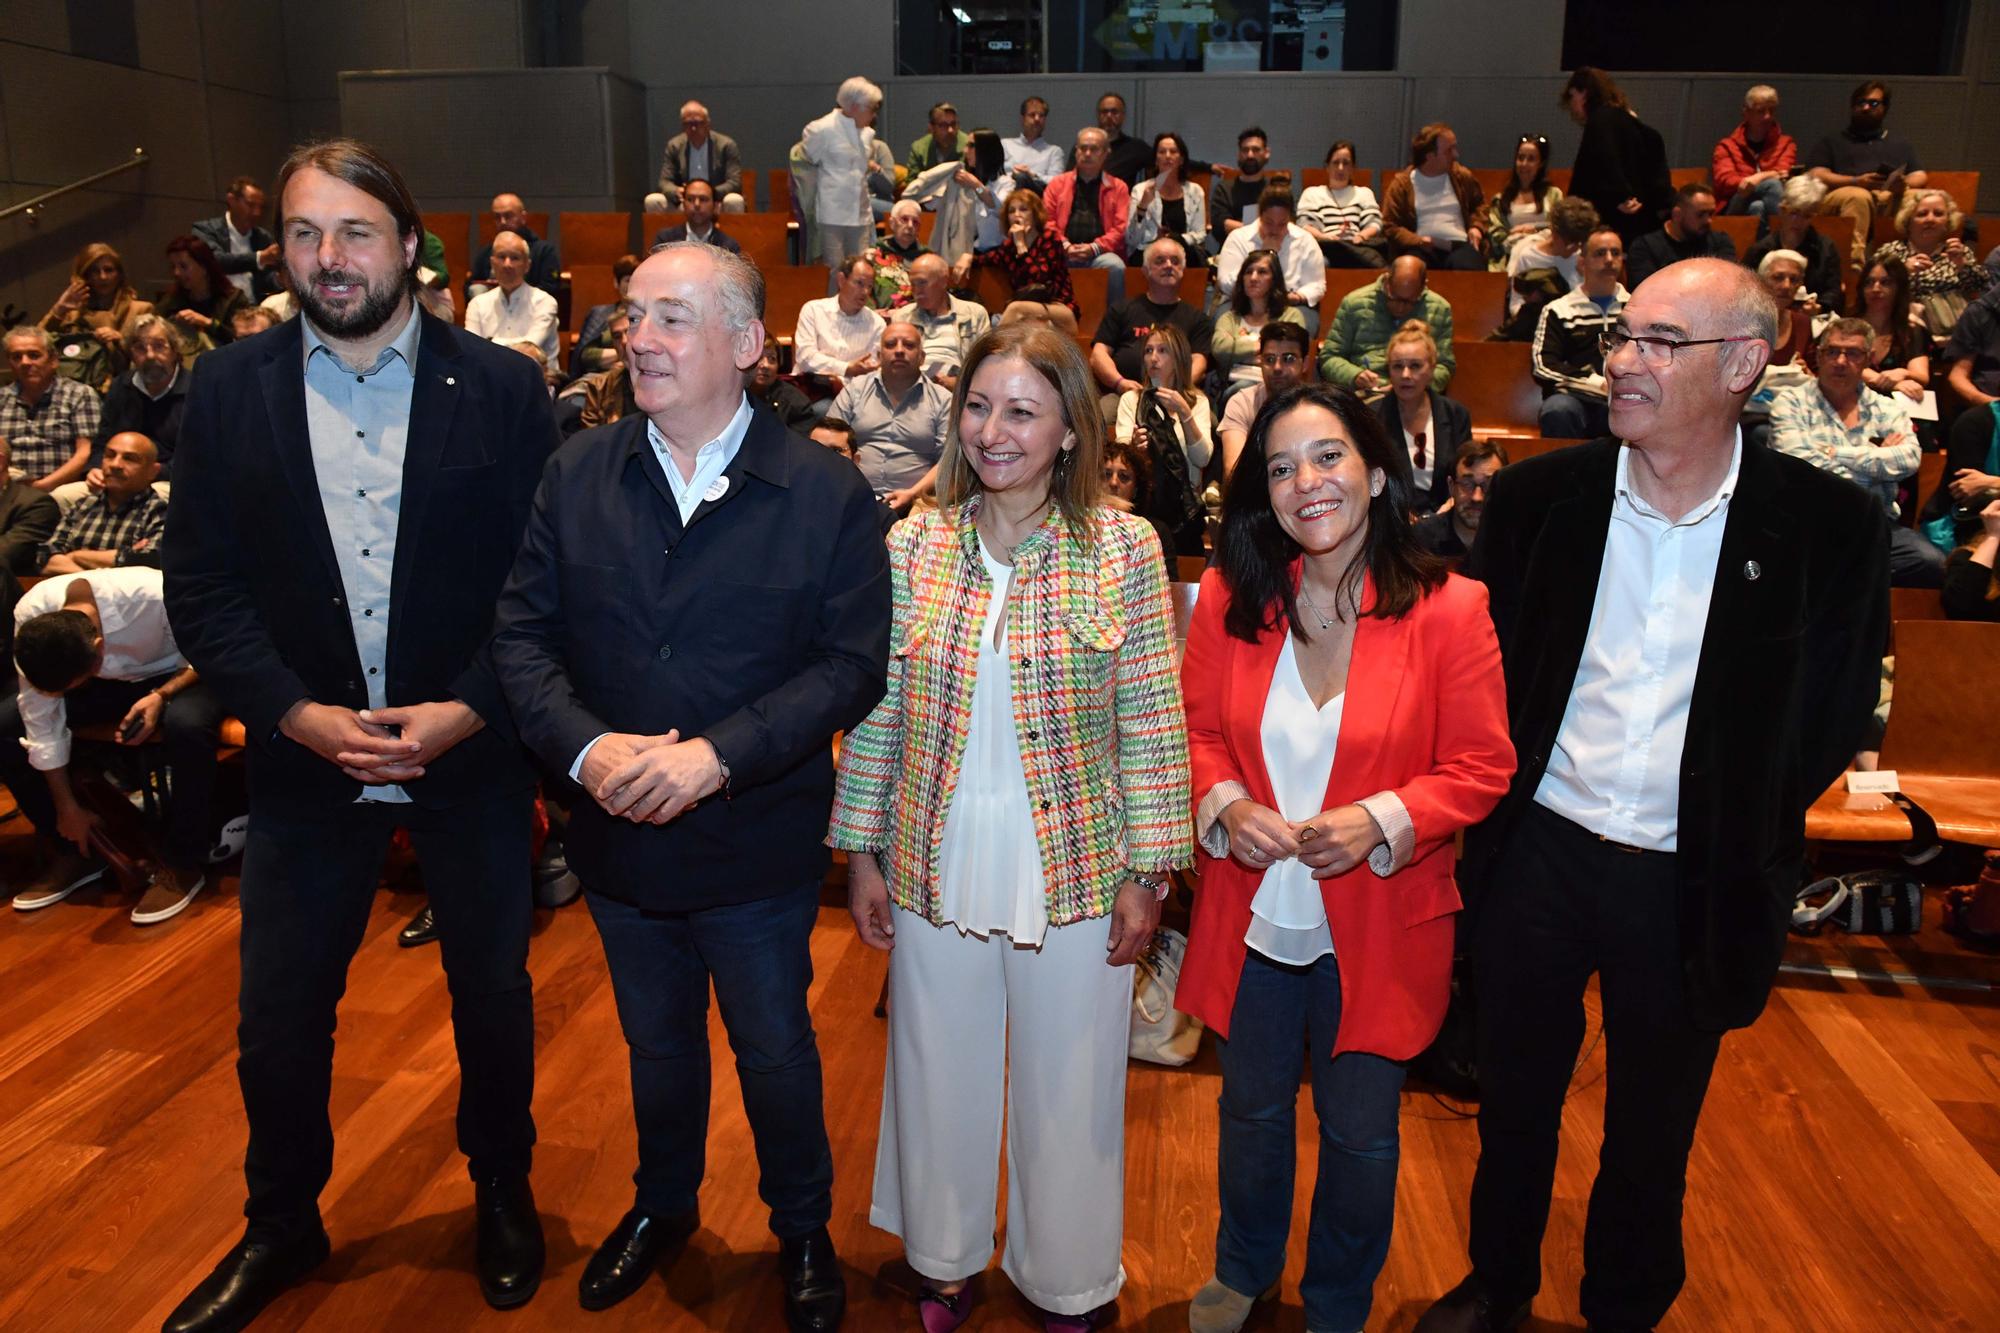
(1346, 718)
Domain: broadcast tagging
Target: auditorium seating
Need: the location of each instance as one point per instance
(786, 290)
(453, 231)
(1523, 447)
(1312, 176)
(780, 199)
(1194, 287)
(1478, 301)
(1494, 383)
(489, 226)
(595, 238)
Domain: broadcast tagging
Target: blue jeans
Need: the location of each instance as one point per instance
(1283, 1014)
(1567, 416)
(758, 956)
(1759, 201)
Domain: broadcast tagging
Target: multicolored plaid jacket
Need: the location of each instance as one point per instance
(1097, 709)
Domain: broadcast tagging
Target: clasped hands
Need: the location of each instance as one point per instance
(650, 779)
(379, 746)
(1332, 842)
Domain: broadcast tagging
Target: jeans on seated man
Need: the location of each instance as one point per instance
(92, 648)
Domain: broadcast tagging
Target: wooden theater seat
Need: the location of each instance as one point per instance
(1478, 301)
(489, 227)
(1522, 447)
(595, 238)
(1494, 383)
(1194, 288)
(1092, 289)
(786, 290)
(454, 232)
(1940, 741)
(765, 238)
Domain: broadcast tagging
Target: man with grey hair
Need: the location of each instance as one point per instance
(950, 324)
(150, 399)
(1089, 207)
(511, 310)
(46, 417)
(693, 698)
(1692, 635)
(544, 264)
(1749, 165)
(698, 153)
(839, 146)
(1791, 228)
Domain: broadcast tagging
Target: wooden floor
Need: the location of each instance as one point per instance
(1845, 1177)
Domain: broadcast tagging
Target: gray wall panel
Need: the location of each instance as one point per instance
(169, 36)
(324, 37)
(775, 42)
(35, 23)
(248, 139)
(57, 137)
(243, 44)
(463, 34)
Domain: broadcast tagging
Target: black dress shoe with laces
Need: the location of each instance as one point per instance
(249, 1278)
(631, 1254)
(511, 1253)
(423, 929)
(1470, 1307)
(815, 1290)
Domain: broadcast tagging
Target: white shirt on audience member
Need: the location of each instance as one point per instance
(529, 314)
(1438, 213)
(826, 342)
(138, 645)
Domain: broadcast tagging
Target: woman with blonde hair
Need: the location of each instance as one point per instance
(98, 303)
(1945, 276)
(1011, 811)
(1170, 420)
(1429, 427)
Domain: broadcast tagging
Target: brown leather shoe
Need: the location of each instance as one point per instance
(1470, 1308)
(62, 873)
(167, 895)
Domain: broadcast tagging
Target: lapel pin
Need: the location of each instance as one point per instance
(449, 380)
(716, 490)
(1752, 570)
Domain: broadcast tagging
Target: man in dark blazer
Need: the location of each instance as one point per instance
(28, 517)
(700, 603)
(1692, 632)
(350, 491)
(698, 198)
(723, 168)
(242, 217)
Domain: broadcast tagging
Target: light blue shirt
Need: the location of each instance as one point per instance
(359, 426)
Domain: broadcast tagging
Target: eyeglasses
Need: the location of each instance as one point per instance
(1857, 354)
(1279, 358)
(1659, 352)
(1870, 101)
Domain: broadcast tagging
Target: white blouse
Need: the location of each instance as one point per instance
(989, 864)
(1288, 915)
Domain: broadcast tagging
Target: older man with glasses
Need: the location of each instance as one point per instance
(1355, 354)
(1691, 632)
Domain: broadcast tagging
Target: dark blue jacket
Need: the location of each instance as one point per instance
(252, 588)
(762, 625)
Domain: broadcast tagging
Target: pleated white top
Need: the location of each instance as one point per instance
(989, 865)
(1288, 915)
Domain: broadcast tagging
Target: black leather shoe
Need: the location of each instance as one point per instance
(249, 1278)
(630, 1255)
(1470, 1308)
(423, 929)
(815, 1290)
(510, 1241)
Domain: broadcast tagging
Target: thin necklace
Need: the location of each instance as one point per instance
(1326, 622)
(1007, 552)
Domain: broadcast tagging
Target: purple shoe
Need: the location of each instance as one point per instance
(1077, 1323)
(941, 1312)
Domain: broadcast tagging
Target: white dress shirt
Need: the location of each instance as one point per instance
(138, 645)
(826, 341)
(1299, 257)
(239, 244)
(1041, 157)
(527, 314)
(1615, 768)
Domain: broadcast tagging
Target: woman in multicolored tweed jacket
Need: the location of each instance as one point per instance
(1011, 811)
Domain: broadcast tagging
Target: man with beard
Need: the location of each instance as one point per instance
(1283, 358)
(1236, 202)
(1451, 534)
(350, 490)
(151, 398)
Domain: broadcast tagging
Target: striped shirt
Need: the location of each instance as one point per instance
(43, 437)
(1324, 209)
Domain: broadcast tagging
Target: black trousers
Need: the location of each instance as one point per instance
(308, 883)
(1564, 904)
(188, 728)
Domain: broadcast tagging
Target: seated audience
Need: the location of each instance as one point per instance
(837, 335)
(899, 418)
(1128, 477)
(97, 305)
(1236, 200)
(1864, 168)
(1297, 251)
(1342, 216)
(1524, 207)
(1451, 533)
(1118, 348)
(698, 202)
(940, 145)
(148, 400)
(1945, 275)
(1035, 259)
(1970, 590)
(1838, 425)
(1432, 209)
(1031, 160)
(1899, 358)
(1750, 163)
(1791, 228)
(48, 420)
(249, 321)
(1164, 204)
(121, 523)
(1544, 266)
(1972, 354)
(594, 349)
(1258, 299)
(1089, 207)
(544, 264)
(1784, 275)
(1688, 233)
(698, 153)
(610, 397)
(284, 305)
(1126, 156)
(1568, 356)
(512, 309)
(892, 254)
(94, 648)
(966, 196)
(782, 397)
(1168, 419)
(1428, 427)
(1284, 358)
(950, 324)
(28, 518)
(202, 299)
(1355, 354)
(243, 247)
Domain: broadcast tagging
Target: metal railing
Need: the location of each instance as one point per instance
(31, 209)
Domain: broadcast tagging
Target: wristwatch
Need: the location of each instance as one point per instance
(1157, 883)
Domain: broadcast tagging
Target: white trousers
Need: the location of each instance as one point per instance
(957, 1006)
